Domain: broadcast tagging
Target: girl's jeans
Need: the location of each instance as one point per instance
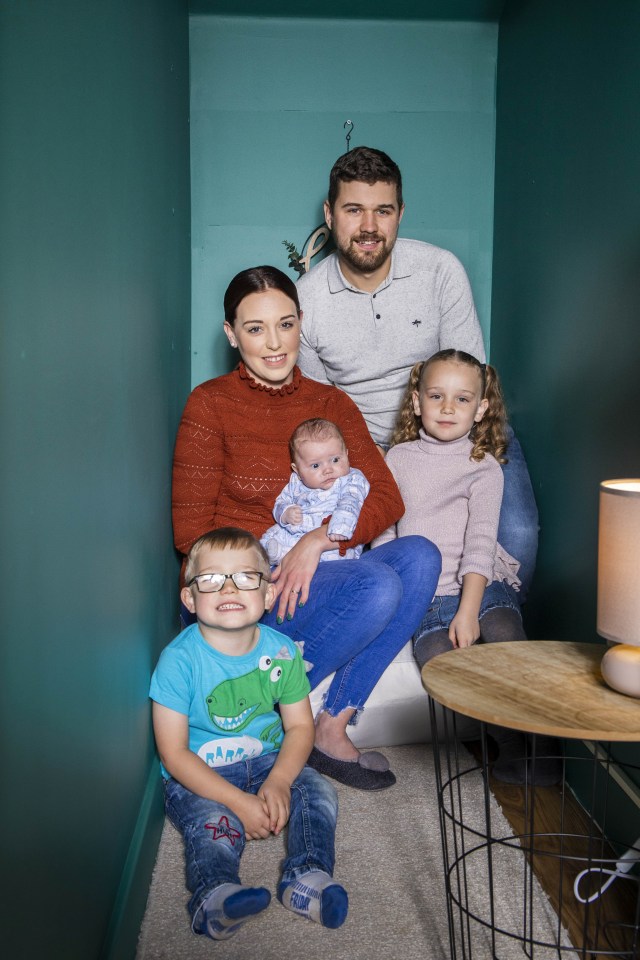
(431, 638)
(214, 836)
(443, 609)
(359, 615)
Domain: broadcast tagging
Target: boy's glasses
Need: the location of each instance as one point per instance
(214, 582)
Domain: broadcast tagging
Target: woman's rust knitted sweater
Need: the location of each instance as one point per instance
(232, 455)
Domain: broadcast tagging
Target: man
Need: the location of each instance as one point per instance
(379, 304)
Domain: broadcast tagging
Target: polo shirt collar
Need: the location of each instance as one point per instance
(399, 268)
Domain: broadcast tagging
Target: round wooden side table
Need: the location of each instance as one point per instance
(576, 833)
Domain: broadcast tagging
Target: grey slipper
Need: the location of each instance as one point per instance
(372, 760)
(350, 772)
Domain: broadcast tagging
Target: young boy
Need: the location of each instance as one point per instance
(233, 767)
(322, 485)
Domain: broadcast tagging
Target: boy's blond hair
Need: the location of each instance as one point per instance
(229, 538)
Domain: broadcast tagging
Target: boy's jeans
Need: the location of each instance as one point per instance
(214, 836)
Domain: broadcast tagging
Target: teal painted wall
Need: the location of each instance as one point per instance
(566, 283)
(565, 328)
(352, 9)
(269, 99)
(94, 279)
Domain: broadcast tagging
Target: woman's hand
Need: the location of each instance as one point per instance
(293, 577)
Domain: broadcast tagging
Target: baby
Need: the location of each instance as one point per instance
(322, 485)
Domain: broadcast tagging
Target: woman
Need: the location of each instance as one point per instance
(231, 461)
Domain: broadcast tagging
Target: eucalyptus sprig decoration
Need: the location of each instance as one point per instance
(295, 258)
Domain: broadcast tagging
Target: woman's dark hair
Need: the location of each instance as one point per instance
(256, 280)
(366, 165)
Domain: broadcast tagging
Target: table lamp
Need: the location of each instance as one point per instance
(619, 583)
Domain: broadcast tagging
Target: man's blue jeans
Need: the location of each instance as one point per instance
(214, 836)
(518, 528)
(359, 615)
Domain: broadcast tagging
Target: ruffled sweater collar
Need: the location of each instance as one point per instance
(462, 446)
(283, 391)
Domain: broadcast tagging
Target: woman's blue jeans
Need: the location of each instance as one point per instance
(518, 528)
(359, 615)
(214, 836)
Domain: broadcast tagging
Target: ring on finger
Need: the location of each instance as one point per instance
(296, 590)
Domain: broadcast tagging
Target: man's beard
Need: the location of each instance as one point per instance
(363, 261)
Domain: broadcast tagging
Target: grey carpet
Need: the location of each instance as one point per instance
(389, 857)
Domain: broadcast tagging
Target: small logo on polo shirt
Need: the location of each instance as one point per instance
(416, 323)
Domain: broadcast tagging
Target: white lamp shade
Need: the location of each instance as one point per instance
(619, 561)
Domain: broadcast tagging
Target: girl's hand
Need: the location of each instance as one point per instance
(292, 578)
(464, 630)
(334, 537)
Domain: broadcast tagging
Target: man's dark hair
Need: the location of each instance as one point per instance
(366, 165)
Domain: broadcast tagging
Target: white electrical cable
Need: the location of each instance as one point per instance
(626, 862)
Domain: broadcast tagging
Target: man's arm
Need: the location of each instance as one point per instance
(459, 325)
(308, 359)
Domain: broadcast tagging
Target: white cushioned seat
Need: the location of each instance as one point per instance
(397, 711)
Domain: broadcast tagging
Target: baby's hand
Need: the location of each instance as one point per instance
(336, 536)
(292, 515)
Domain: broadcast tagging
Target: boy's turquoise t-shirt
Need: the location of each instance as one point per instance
(229, 701)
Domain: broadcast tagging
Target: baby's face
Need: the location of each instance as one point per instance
(319, 463)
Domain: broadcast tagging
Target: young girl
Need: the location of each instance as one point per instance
(446, 453)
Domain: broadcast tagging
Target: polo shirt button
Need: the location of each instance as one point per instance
(377, 316)
(374, 296)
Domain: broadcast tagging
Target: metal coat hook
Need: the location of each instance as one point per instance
(350, 124)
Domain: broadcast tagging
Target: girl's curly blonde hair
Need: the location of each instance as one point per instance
(487, 436)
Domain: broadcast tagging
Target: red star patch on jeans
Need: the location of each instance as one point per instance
(223, 829)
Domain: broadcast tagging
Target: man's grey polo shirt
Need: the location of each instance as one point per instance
(366, 343)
